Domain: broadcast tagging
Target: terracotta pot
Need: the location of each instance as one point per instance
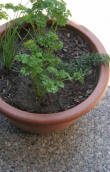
(46, 123)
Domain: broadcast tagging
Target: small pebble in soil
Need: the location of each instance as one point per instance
(68, 35)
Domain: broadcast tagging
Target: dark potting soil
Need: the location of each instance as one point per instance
(17, 90)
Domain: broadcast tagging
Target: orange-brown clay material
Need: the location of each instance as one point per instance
(47, 123)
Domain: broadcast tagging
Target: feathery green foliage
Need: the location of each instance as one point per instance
(42, 64)
(79, 67)
(3, 14)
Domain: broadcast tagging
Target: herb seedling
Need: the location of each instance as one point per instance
(7, 41)
(78, 68)
(3, 14)
(42, 65)
(7, 44)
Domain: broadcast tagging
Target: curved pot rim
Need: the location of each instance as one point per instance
(75, 112)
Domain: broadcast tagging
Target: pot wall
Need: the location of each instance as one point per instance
(46, 123)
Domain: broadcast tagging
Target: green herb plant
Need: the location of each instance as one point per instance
(78, 68)
(3, 14)
(42, 65)
(7, 41)
(7, 44)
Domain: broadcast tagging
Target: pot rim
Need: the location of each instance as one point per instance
(75, 112)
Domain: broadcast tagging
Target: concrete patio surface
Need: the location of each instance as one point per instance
(84, 147)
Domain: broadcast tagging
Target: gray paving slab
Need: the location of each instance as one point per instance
(84, 147)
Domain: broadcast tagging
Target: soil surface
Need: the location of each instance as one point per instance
(17, 90)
